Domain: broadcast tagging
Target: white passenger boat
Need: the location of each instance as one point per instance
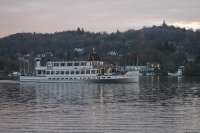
(78, 71)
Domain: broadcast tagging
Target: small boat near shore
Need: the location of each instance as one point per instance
(179, 73)
(92, 70)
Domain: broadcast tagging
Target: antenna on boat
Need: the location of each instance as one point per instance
(93, 56)
(137, 60)
(93, 50)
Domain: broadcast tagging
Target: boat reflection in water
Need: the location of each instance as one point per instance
(154, 105)
(80, 93)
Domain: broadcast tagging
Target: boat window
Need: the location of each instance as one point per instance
(69, 64)
(66, 78)
(57, 72)
(82, 72)
(52, 72)
(93, 71)
(77, 72)
(48, 72)
(83, 63)
(56, 64)
(76, 64)
(67, 72)
(49, 78)
(72, 72)
(39, 71)
(88, 72)
(43, 72)
(62, 72)
(62, 64)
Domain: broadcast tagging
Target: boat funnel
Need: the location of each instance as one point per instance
(38, 60)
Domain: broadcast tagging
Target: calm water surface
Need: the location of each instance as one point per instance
(155, 105)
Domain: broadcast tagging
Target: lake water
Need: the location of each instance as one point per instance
(154, 105)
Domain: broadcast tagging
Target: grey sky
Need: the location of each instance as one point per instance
(94, 15)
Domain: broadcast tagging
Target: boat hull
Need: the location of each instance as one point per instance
(94, 80)
(127, 80)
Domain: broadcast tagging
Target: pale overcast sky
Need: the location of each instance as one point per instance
(94, 15)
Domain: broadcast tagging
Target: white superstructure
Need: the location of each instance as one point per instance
(77, 71)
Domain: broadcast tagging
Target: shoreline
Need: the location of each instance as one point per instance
(9, 82)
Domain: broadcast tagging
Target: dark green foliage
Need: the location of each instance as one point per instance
(8, 64)
(166, 45)
(192, 69)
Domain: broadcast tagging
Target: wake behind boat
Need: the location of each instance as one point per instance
(92, 70)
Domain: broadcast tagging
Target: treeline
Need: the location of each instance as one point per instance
(167, 45)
